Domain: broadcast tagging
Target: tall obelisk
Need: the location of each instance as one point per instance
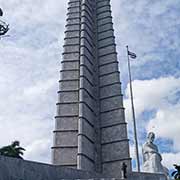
(90, 131)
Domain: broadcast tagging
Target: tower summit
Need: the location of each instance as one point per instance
(90, 131)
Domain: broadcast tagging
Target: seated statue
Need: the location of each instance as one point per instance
(151, 157)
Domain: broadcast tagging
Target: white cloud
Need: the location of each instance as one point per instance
(170, 158)
(162, 96)
(29, 74)
(151, 94)
(39, 149)
(166, 124)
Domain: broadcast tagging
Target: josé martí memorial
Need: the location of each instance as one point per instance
(90, 136)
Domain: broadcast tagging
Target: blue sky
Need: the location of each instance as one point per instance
(30, 64)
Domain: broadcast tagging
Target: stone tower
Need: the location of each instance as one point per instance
(90, 131)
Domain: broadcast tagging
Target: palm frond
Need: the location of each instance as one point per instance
(173, 173)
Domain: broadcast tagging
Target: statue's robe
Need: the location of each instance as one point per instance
(152, 159)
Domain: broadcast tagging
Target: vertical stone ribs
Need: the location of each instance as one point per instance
(91, 132)
(87, 98)
(114, 142)
(66, 130)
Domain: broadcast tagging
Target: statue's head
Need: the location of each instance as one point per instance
(151, 137)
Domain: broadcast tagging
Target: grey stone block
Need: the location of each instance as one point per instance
(109, 79)
(85, 62)
(107, 50)
(67, 109)
(70, 1)
(72, 27)
(69, 156)
(71, 34)
(74, 9)
(84, 71)
(113, 169)
(104, 8)
(87, 53)
(71, 41)
(104, 14)
(66, 138)
(105, 34)
(102, 22)
(68, 97)
(75, 3)
(112, 117)
(105, 27)
(146, 176)
(87, 36)
(70, 65)
(86, 84)
(73, 20)
(115, 151)
(85, 112)
(71, 56)
(114, 133)
(71, 48)
(69, 75)
(108, 58)
(111, 90)
(106, 41)
(111, 103)
(86, 10)
(87, 44)
(85, 33)
(69, 85)
(86, 147)
(87, 19)
(102, 3)
(85, 97)
(67, 123)
(86, 129)
(85, 164)
(73, 15)
(108, 68)
(86, 27)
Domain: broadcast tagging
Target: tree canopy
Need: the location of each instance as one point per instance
(12, 150)
(176, 173)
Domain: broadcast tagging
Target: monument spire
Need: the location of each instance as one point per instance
(90, 131)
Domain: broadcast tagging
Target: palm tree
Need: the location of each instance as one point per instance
(176, 173)
(13, 150)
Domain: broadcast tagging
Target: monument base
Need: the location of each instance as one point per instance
(17, 169)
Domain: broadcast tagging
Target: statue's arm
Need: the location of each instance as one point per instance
(148, 149)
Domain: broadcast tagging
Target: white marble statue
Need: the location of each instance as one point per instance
(151, 157)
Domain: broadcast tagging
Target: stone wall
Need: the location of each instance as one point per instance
(146, 176)
(17, 169)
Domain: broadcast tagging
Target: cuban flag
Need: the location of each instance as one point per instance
(132, 55)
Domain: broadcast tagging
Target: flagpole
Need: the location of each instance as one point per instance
(133, 114)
